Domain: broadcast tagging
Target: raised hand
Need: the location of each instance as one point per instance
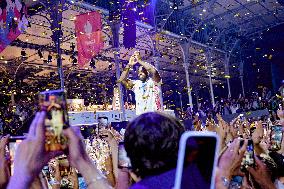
(132, 61)
(257, 135)
(4, 163)
(31, 155)
(230, 160)
(79, 159)
(137, 55)
(261, 174)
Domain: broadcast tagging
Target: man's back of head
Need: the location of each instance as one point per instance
(151, 142)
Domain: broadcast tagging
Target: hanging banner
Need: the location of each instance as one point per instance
(88, 28)
(129, 8)
(13, 21)
(132, 10)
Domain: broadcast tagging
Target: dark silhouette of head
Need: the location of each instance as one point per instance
(151, 142)
(142, 74)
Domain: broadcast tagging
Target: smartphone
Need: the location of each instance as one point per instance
(276, 137)
(45, 171)
(248, 159)
(197, 158)
(64, 165)
(236, 182)
(242, 117)
(123, 160)
(82, 182)
(54, 103)
(14, 142)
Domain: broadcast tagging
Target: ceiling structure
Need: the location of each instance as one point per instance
(214, 28)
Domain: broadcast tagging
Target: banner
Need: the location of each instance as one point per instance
(13, 21)
(132, 10)
(129, 14)
(88, 28)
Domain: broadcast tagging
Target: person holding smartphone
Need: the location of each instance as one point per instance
(31, 157)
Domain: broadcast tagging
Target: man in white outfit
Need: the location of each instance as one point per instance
(147, 88)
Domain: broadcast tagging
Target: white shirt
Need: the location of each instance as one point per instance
(234, 108)
(278, 184)
(147, 96)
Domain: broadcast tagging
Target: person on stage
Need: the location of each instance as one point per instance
(147, 88)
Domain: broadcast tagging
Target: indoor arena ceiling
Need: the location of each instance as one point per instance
(214, 29)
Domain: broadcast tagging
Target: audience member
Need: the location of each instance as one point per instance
(31, 157)
(152, 142)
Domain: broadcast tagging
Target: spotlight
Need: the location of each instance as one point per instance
(23, 53)
(73, 59)
(72, 47)
(49, 58)
(93, 63)
(40, 54)
(110, 66)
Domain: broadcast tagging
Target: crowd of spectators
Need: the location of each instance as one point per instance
(227, 106)
(151, 142)
(14, 117)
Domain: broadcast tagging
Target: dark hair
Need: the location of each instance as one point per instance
(151, 142)
(144, 70)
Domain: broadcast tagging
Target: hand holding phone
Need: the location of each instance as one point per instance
(236, 182)
(14, 142)
(123, 160)
(197, 160)
(54, 103)
(276, 136)
(31, 151)
(248, 159)
(242, 117)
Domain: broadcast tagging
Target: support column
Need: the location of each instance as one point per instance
(208, 65)
(156, 64)
(13, 98)
(211, 89)
(188, 85)
(241, 69)
(180, 100)
(56, 28)
(115, 26)
(242, 82)
(185, 51)
(227, 74)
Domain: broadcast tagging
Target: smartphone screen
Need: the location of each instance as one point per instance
(54, 102)
(236, 182)
(196, 162)
(13, 145)
(248, 159)
(276, 137)
(123, 160)
(82, 182)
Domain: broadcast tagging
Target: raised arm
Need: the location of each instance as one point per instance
(124, 75)
(151, 69)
